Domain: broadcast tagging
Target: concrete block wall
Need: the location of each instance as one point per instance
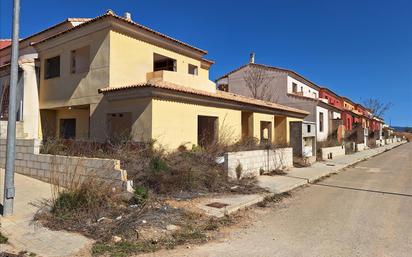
(332, 152)
(19, 129)
(61, 170)
(254, 161)
(360, 147)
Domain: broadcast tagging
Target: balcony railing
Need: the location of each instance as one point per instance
(182, 79)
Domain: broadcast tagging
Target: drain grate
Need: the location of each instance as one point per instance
(217, 205)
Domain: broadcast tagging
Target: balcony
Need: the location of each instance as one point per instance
(357, 112)
(182, 79)
(324, 100)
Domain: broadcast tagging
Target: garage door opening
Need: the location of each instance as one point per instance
(119, 125)
(206, 130)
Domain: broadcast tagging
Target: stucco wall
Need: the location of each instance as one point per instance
(141, 115)
(254, 161)
(322, 135)
(82, 121)
(257, 119)
(301, 87)
(175, 123)
(277, 83)
(79, 88)
(332, 152)
(131, 59)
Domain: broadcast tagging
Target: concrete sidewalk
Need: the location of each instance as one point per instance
(294, 178)
(23, 234)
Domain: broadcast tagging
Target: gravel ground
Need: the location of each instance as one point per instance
(363, 211)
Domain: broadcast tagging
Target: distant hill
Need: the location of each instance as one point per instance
(403, 129)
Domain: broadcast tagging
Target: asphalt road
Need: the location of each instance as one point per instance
(363, 211)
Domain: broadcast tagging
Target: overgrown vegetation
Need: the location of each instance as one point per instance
(143, 221)
(125, 224)
(190, 172)
(198, 232)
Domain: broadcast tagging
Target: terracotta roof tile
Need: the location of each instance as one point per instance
(52, 27)
(219, 94)
(112, 15)
(4, 43)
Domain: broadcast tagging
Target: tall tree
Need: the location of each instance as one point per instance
(258, 81)
(376, 106)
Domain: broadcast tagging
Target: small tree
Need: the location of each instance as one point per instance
(258, 80)
(377, 107)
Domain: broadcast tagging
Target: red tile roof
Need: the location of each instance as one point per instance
(52, 27)
(110, 14)
(4, 43)
(219, 94)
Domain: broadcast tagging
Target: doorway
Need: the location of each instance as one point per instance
(206, 130)
(68, 128)
(265, 132)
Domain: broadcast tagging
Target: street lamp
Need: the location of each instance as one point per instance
(9, 190)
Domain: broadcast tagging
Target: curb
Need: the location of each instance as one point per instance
(259, 198)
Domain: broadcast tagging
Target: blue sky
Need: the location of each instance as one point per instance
(360, 49)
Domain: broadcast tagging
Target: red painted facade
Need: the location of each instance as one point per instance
(365, 118)
(347, 120)
(332, 98)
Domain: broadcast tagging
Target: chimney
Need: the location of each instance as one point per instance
(252, 58)
(127, 16)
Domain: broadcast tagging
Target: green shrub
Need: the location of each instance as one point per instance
(157, 164)
(89, 197)
(140, 195)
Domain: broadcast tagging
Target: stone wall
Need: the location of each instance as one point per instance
(61, 170)
(252, 162)
(332, 152)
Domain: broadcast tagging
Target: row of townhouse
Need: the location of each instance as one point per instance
(99, 78)
(336, 117)
(105, 77)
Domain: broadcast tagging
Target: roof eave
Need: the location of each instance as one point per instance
(292, 112)
(123, 20)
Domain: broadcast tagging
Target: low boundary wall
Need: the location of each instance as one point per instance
(332, 152)
(252, 162)
(360, 147)
(58, 169)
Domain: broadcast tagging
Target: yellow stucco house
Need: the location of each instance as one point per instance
(110, 76)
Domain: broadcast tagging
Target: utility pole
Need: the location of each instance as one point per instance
(9, 190)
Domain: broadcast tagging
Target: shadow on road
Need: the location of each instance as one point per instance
(362, 190)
